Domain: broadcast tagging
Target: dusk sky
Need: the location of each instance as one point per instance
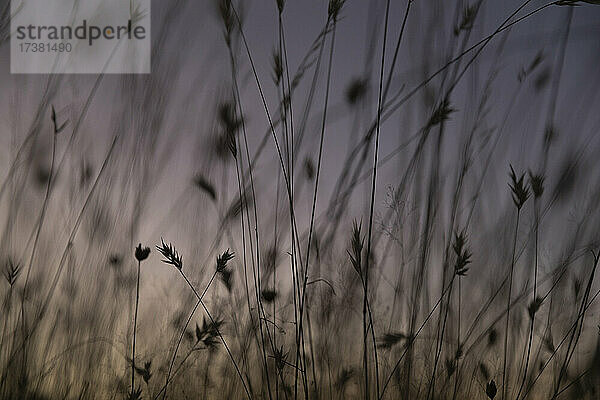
(451, 268)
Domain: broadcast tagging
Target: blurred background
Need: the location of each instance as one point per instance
(468, 258)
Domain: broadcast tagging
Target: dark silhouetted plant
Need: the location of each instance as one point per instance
(520, 194)
(491, 390)
(141, 253)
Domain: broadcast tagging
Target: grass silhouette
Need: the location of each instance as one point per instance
(335, 234)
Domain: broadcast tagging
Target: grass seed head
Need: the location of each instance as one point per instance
(534, 306)
(204, 184)
(491, 390)
(225, 274)
(492, 337)
(11, 271)
(145, 372)
(356, 247)
(227, 18)
(537, 184)
(223, 259)
(542, 78)
(356, 91)
(115, 260)
(463, 255)
(468, 17)
(450, 366)
(309, 168)
(57, 129)
(280, 358)
(141, 253)
(277, 66)
(135, 394)
(230, 124)
(519, 189)
(389, 340)
(345, 375)
(280, 5)
(269, 295)
(170, 255)
(334, 8)
(208, 334)
(226, 277)
(440, 114)
(525, 72)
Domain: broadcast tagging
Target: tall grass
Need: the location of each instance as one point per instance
(380, 244)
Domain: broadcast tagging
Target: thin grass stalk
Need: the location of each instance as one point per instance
(291, 167)
(286, 109)
(455, 201)
(576, 380)
(257, 271)
(520, 193)
(255, 265)
(550, 118)
(183, 332)
(577, 331)
(433, 188)
(412, 339)
(431, 385)
(510, 284)
(534, 297)
(316, 386)
(264, 102)
(316, 187)
(304, 64)
(296, 143)
(555, 352)
(275, 240)
(289, 102)
(459, 346)
(277, 146)
(298, 314)
(137, 301)
(496, 320)
(235, 365)
(391, 108)
(272, 128)
(488, 161)
(7, 314)
(351, 154)
(178, 369)
(553, 95)
(239, 173)
(371, 214)
(454, 78)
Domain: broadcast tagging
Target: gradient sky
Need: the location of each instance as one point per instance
(196, 51)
